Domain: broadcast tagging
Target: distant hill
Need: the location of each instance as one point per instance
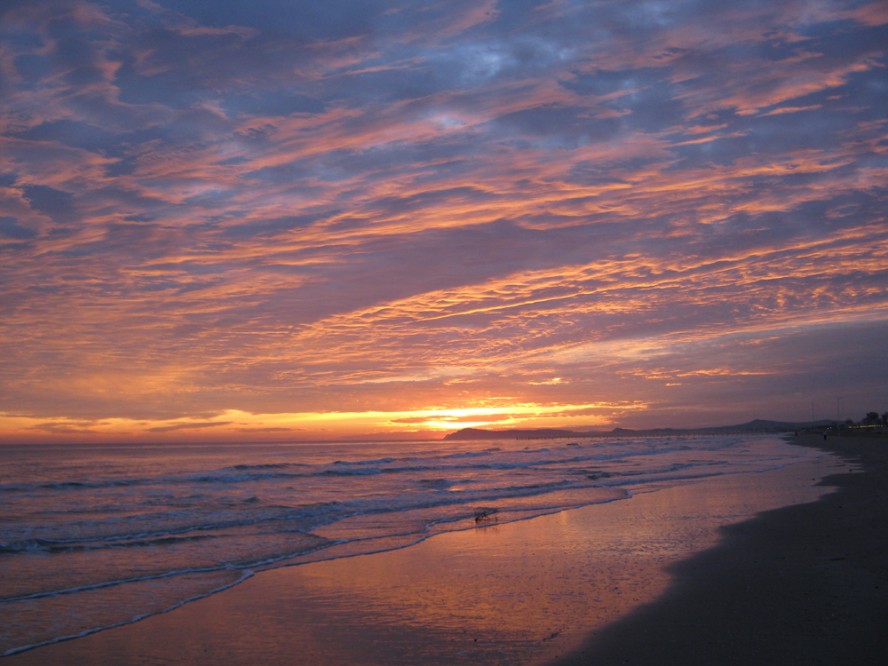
(755, 426)
(761, 425)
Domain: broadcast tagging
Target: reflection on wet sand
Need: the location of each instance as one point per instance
(520, 592)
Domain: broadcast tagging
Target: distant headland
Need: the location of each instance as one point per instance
(755, 426)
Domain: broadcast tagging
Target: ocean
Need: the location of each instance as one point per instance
(98, 536)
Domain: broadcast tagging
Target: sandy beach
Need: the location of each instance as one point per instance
(531, 592)
(805, 584)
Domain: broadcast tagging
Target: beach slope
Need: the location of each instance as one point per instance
(805, 584)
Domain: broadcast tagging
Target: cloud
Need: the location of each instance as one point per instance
(268, 208)
(11, 229)
(200, 425)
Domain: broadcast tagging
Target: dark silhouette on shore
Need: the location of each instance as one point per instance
(804, 584)
(756, 426)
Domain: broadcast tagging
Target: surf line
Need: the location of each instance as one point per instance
(94, 630)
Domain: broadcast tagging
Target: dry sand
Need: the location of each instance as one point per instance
(805, 584)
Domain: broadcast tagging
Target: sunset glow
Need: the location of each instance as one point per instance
(297, 220)
(235, 424)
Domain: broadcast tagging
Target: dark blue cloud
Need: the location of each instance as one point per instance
(10, 228)
(56, 203)
(273, 103)
(34, 66)
(567, 127)
(72, 133)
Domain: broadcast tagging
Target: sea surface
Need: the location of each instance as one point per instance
(97, 536)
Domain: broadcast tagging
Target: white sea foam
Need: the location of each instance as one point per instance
(126, 527)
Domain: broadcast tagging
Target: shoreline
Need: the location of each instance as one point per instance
(456, 598)
(803, 584)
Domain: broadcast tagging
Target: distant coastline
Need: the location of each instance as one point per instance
(755, 426)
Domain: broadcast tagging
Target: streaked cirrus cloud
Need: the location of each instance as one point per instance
(321, 219)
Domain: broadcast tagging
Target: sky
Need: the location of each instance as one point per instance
(278, 220)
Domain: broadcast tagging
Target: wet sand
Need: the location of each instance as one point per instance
(805, 584)
(517, 593)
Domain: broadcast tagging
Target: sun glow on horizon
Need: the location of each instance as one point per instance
(447, 218)
(239, 424)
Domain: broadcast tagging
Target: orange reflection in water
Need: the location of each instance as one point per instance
(505, 593)
(538, 586)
